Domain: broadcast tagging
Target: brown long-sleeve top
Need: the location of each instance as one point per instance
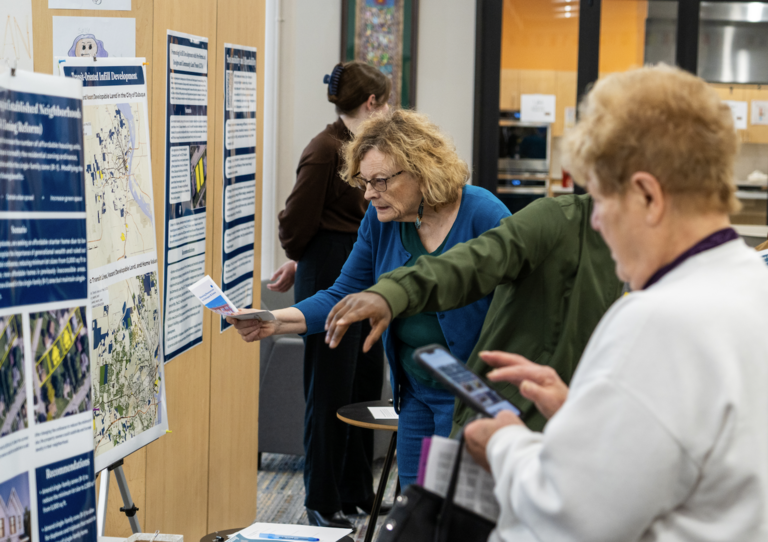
(320, 200)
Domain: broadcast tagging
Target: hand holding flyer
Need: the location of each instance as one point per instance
(210, 295)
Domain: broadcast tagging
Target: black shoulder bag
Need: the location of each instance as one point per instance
(422, 516)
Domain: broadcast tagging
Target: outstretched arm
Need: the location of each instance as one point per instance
(472, 270)
(290, 320)
(466, 273)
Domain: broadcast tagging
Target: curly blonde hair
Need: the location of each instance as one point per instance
(415, 145)
(663, 121)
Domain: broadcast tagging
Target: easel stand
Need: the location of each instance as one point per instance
(128, 508)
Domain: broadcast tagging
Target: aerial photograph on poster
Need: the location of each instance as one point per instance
(62, 374)
(13, 392)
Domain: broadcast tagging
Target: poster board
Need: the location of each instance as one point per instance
(127, 363)
(186, 189)
(46, 449)
(239, 175)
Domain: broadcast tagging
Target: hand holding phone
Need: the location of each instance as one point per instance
(465, 384)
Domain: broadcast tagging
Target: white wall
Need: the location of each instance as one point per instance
(445, 83)
(310, 35)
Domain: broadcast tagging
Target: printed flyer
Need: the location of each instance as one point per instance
(46, 421)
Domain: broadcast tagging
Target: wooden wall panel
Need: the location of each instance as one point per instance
(566, 97)
(560, 83)
(235, 364)
(177, 464)
(42, 17)
(509, 91)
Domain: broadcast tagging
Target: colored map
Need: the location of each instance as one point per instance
(126, 373)
(118, 183)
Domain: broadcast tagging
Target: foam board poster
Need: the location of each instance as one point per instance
(239, 164)
(47, 489)
(186, 189)
(126, 356)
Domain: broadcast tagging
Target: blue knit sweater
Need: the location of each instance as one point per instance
(378, 250)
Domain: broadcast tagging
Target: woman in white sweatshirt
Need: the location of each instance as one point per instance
(663, 434)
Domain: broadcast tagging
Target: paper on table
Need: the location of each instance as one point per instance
(383, 413)
(323, 534)
(474, 490)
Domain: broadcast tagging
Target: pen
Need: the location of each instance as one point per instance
(288, 537)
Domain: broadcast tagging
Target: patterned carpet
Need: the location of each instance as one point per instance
(281, 491)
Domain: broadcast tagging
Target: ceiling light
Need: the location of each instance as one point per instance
(754, 12)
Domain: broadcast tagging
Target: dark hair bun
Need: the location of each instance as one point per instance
(350, 85)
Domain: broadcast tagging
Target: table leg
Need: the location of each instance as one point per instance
(382, 488)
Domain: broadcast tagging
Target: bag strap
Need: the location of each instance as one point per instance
(446, 511)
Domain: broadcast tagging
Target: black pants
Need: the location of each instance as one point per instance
(338, 456)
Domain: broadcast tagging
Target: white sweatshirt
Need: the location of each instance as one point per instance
(664, 436)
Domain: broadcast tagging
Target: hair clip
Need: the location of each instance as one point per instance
(333, 80)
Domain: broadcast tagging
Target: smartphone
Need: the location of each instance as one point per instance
(465, 384)
(264, 316)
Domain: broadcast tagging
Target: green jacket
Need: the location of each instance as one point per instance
(554, 279)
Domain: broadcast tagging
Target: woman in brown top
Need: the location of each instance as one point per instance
(317, 231)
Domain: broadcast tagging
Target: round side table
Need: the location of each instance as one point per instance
(357, 414)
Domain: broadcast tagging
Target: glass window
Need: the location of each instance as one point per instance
(539, 55)
(733, 56)
(661, 33)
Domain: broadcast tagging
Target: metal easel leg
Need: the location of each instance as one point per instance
(128, 507)
(101, 509)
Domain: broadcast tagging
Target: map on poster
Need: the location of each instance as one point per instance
(126, 356)
(126, 387)
(118, 183)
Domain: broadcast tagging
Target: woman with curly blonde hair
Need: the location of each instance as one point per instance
(420, 205)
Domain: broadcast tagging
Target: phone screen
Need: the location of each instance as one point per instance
(466, 382)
